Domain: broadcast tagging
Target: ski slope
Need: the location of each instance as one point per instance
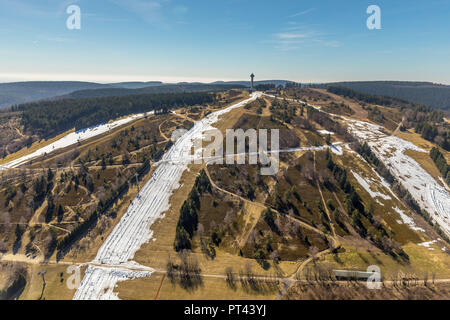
(73, 138)
(428, 193)
(114, 257)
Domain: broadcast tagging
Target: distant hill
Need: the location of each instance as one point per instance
(163, 88)
(434, 95)
(21, 92)
(136, 85)
(247, 83)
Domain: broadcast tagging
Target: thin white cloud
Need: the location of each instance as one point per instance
(291, 35)
(295, 39)
(301, 13)
(328, 43)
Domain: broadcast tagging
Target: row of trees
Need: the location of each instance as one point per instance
(367, 98)
(434, 133)
(431, 94)
(188, 220)
(441, 164)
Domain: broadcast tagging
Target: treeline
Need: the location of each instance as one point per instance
(265, 87)
(429, 123)
(434, 133)
(188, 220)
(433, 95)
(441, 164)
(367, 98)
(49, 118)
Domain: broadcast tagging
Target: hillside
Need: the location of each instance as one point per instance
(434, 95)
(21, 92)
(136, 84)
(345, 197)
(429, 122)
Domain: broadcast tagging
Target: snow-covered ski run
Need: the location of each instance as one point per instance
(133, 229)
(428, 193)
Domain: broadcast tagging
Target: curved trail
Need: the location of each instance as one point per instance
(114, 258)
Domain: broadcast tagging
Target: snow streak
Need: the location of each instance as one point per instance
(428, 193)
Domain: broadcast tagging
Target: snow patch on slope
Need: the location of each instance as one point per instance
(428, 193)
(367, 187)
(428, 244)
(325, 132)
(407, 220)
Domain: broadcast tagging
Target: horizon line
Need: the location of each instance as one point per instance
(114, 79)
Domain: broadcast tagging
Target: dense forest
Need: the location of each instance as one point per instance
(49, 118)
(369, 98)
(22, 92)
(434, 95)
(163, 88)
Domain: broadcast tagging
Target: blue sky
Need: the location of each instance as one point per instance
(208, 40)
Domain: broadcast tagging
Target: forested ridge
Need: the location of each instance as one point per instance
(381, 100)
(441, 164)
(434, 95)
(163, 88)
(49, 118)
